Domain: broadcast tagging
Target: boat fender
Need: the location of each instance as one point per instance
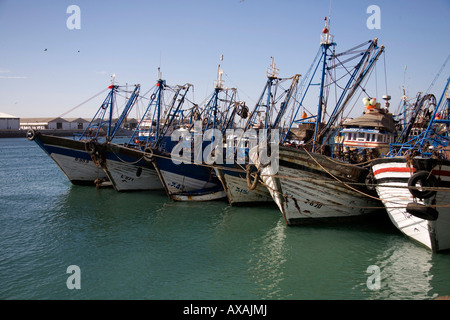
(31, 134)
(252, 185)
(421, 211)
(139, 172)
(90, 147)
(425, 179)
(148, 155)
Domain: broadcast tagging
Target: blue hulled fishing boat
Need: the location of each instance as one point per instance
(78, 157)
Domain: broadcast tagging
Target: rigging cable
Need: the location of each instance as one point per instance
(65, 113)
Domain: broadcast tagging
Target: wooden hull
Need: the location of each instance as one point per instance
(392, 176)
(310, 187)
(237, 189)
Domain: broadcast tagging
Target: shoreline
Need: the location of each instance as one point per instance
(23, 133)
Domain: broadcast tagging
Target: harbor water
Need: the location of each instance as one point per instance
(142, 245)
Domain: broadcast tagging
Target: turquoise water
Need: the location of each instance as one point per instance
(144, 246)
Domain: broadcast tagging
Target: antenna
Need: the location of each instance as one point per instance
(272, 72)
(329, 16)
(326, 37)
(219, 81)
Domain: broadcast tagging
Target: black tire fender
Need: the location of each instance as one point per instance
(425, 179)
(421, 211)
(90, 147)
(31, 134)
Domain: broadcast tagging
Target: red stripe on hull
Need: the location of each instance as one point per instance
(383, 170)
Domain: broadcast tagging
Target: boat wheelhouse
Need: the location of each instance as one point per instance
(372, 131)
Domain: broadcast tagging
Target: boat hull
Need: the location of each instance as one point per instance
(392, 176)
(71, 156)
(130, 169)
(237, 189)
(188, 181)
(305, 190)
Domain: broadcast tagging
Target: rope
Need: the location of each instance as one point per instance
(62, 115)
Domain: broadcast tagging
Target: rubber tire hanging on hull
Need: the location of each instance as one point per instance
(31, 134)
(425, 179)
(90, 147)
(421, 211)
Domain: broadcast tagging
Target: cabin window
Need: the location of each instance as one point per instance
(349, 136)
(59, 125)
(374, 137)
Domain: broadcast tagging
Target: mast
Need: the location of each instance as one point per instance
(111, 108)
(160, 85)
(326, 40)
(125, 112)
(272, 75)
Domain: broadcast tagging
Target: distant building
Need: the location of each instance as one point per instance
(9, 122)
(59, 123)
(78, 123)
(34, 123)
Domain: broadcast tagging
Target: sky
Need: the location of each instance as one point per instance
(47, 68)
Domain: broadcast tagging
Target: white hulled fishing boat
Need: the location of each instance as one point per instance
(239, 184)
(414, 179)
(313, 180)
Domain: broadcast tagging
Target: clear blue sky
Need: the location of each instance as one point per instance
(131, 39)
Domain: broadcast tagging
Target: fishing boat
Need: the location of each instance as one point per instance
(129, 166)
(180, 160)
(414, 178)
(236, 177)
(78, 157)
(313, 182)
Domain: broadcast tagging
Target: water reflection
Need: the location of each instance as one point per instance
(267, 262)
(405, 272)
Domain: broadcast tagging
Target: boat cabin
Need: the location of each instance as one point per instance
(374, 130)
